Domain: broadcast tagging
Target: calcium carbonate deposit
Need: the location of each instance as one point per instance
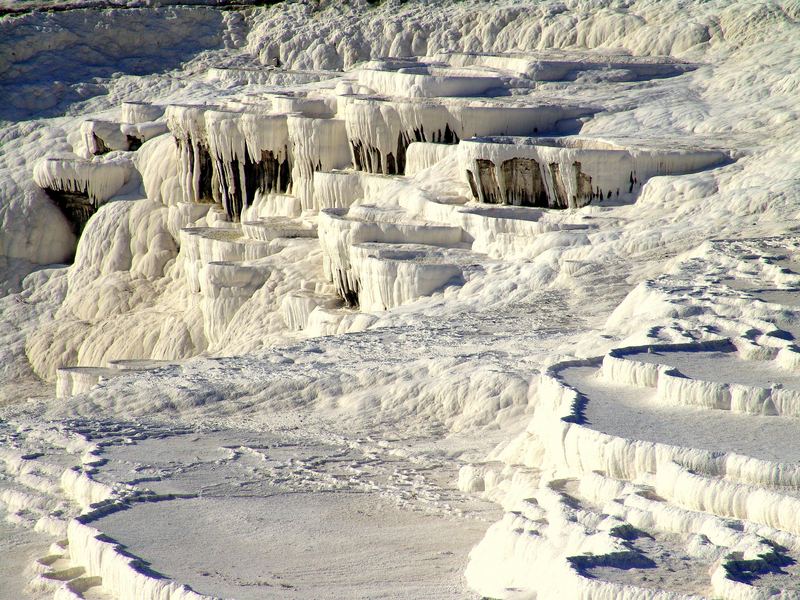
(400, 299)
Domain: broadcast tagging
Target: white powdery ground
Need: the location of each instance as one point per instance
(396, 407)
(306, 517)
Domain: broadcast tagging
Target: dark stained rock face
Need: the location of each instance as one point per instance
(527, 182)
(98, 146)
(558, 195)
(267, 175)
(77, 207)
(487, 179)
(347, 289)
(524, 185)
(134, 143)
(369, 158)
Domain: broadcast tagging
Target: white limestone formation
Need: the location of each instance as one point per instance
(79, 187)
(569, 172)
(267, 230)
(195, 171)
(338, 189)
(135, 113)
(139, 133)
(251, 154)
(514, 277)
(224, 287)
(314, 106)
(237, 76)
(272, 205)
(297, 307)
(379, 131)
(384, 276)
(71, 381)
(426, 81)
(201, 246)
(424, 155)
(103, 136)
(97, 180)
(554, 65)
(351, 265)
(701, 483)
(317, 145)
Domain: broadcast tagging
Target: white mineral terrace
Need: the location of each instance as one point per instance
(103, 136)
(140, 112)
(419, 299)
(571, 171)
(264, 76)
(380, 131)
(98, 179)
(424, 81)
(553, 65)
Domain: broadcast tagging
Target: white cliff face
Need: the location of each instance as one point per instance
(195, 171)
(423, 81)
(422, 299)
(317, 145)
(380, 130)
(97, 180)
(251, 154)
(570, 172)
(100, 137)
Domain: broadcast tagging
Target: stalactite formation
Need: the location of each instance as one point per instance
(77, 207)
(568, 172)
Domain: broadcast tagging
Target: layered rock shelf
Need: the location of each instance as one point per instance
(251, 156)
(569, 172)
(554, 65)
(140, 121)
(380, 130)
(79, 187)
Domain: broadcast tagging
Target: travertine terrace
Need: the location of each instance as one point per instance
(400, 299)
